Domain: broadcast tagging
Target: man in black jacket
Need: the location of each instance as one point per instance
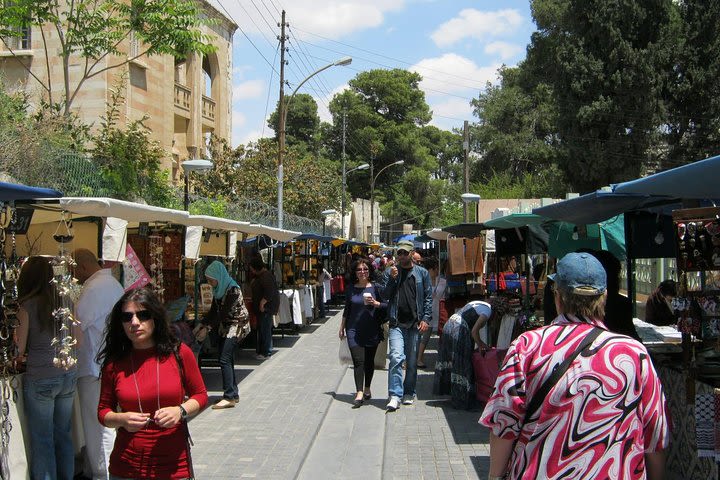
(265, 301)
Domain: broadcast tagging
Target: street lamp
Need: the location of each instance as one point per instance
(281, 134)
(364, 166)
(195, 165)
(471, 198)
(325, 214)
(373, 179)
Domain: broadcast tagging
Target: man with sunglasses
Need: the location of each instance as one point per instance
(408, 290)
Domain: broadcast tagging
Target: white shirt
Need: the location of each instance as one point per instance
(99, 294)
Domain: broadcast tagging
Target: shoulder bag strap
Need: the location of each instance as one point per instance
(558, 371)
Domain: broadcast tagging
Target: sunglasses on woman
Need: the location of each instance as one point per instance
(362, 270)
(142, 315)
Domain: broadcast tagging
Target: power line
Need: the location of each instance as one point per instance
(253, 21)
(246, 36)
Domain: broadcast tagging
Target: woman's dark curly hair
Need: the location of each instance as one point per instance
(117, 344)
(355, 265)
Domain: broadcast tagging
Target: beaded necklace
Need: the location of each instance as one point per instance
(137, 389)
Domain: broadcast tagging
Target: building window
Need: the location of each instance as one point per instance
(21, 42)
(134, 49)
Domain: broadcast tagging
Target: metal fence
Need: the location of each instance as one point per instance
(77, 176)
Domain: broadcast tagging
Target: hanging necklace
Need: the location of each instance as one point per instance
(137, 389)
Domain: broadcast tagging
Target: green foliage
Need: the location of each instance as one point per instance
(517, 126)
(250, 172)
(302, 123)
(95, 30)
(693, 90)
(130, 160)
(217, 207)
(602, 62)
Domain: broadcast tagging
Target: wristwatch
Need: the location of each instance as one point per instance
(183, 413)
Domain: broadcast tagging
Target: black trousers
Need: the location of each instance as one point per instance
(364, 365)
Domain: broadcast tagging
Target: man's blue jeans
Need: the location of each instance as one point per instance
(403, 347)
(48, 409)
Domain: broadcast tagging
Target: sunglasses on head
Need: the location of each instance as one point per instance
(142, 315)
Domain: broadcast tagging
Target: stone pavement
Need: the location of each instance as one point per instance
(294, 421)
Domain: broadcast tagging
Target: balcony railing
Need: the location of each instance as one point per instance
(182, 97)
(208, 108)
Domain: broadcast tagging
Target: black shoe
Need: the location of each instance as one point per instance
(367, 396)
(357, 403)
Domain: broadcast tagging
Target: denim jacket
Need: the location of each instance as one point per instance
(423, 287)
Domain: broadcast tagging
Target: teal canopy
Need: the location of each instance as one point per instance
(566, 237)
(608, 235)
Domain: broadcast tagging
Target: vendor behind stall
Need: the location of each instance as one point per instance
(658, 308)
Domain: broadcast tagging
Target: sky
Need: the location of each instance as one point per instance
(456, 45)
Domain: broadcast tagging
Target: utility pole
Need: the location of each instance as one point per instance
(466, 167)
(281, 116)
(344, 179)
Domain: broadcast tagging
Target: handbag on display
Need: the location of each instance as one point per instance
(486, 365)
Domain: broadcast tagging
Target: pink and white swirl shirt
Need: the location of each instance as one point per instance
(599, 419)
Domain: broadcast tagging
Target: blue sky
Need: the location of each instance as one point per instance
(457, 46)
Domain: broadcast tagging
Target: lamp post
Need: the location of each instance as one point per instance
(471, 198)
(364, 166)
(283, 106)
(373, 179)
(195, 165)
(325, 214)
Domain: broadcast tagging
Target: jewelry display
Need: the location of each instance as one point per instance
(156, 266)
(66, 291)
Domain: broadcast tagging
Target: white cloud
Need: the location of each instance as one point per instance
(449, 114)
(324, 102)
(322, 17)
(477, 24)
(504, 50)
(249, 89)
(455, 74)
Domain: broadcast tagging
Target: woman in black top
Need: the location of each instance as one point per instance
(361, 326)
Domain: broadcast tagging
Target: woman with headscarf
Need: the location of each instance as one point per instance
(226, 297)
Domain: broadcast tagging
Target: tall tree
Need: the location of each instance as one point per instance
(302, 124)
(693, 89)
(94, 30)
(517, 126)
(601, 59)
(384, 112)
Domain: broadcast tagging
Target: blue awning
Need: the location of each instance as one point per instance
(698, 180)
(598, 206)
(11, 191)
(314, 236)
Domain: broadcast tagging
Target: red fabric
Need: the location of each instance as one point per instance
(486, 365)
(152, 452)
(443, 316)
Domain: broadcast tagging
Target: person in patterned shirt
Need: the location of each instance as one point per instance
(605, 416)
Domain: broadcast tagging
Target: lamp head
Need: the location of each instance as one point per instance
(399, 162)
(343, 61)
(327, 213)
(196, 165)
(364, 166)
(470, 197)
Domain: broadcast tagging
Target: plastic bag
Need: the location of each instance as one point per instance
(486, 365)
(344, 353)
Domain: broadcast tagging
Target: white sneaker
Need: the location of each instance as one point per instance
(408, 399)
(393, 404)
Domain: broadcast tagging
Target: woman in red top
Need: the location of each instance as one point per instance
(156, 383)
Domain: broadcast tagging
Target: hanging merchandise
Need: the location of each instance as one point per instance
(156, 266)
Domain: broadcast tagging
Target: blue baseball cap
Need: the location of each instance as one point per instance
(580, 274)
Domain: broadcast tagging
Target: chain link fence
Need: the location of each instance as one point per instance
(77, 176)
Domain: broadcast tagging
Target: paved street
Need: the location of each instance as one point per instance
(294, 421)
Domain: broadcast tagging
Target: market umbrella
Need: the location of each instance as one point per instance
(695, 180)
(467, 230)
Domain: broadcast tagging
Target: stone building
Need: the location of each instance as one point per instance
(185, 100)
